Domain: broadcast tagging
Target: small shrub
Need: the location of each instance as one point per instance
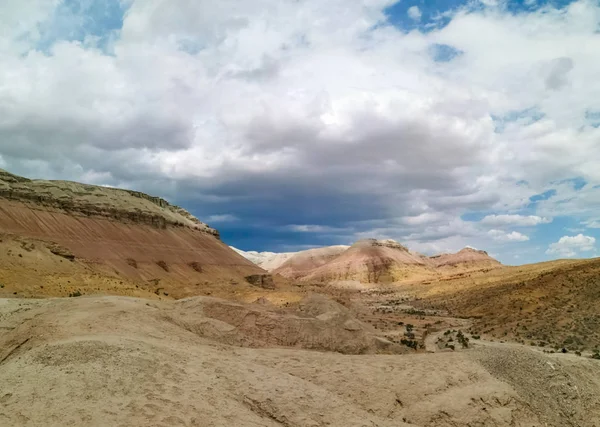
(462, 339)
(596, 356)
(163, 265)
(196, 266)
(410, 343)
(75, 294)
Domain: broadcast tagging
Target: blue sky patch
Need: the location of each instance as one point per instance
(543, 196)
(592, 117)
(444, 52)
(578, 183)
(473, 216)
(527, 116)
(432, 14)
(76, 20)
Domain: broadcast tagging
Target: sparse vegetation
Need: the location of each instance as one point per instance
(410, 343)
(163, 265)
(462, 339)
(196, 266)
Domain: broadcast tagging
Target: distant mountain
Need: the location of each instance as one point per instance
(267, 260)
(303, 263)
(368, 261)
(467, 257)
(371, 261)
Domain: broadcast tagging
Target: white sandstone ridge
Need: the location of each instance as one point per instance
(271, 260)
(266, 260)
(367, 261)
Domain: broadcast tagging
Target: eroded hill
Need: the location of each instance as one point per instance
(61, 237)
(554, 305)
(369, 261)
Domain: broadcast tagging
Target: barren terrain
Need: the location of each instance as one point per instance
(124, 361)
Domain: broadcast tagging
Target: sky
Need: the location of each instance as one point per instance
(289, 124)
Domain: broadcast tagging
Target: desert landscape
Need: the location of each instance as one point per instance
(117, 308)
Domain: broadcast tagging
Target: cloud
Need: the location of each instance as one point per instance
(287, 114)
(592, 223)
(414, 13)
(514, 220)
(311, 228)
(513, 236)
(222, 218)
(570, 246)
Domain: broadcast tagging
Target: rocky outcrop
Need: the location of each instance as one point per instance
(264, 281)
(96, 201)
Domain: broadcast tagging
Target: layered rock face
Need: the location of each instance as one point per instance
(372, 261)
(119, 232)
(303, 263)
(99, 202)
(467, 257)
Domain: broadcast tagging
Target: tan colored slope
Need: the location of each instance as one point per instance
(465, 259)
(115, 234)
(379, 261)
(274, 262)
(268, 261)
(301, 263)
(121, 361)
(555, 303)
(372, 261)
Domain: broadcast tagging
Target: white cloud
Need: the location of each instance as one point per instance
(414, 13)
(315, 113)
(514, 220)
(570, 246)
(312, 228)
(513, 236)
(220, 218)
(574, 230)
(424, 218)
(595, 223)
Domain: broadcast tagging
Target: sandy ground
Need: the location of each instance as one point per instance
(119, 361)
